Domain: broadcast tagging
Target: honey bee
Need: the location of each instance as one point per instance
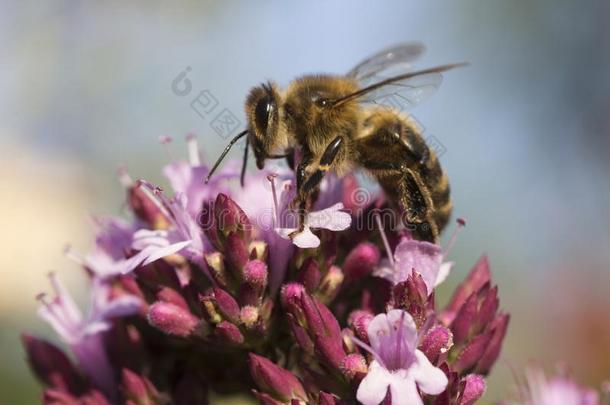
(343, 122)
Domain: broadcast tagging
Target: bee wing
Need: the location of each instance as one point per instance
(405, 94)
(403, 91)
(395, 58)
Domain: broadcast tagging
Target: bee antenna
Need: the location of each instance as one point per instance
(224, 153)
(242, 177)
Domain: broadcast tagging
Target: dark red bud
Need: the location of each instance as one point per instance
(227, 305)
(51, 365)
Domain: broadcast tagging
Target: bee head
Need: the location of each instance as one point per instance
(263, 120)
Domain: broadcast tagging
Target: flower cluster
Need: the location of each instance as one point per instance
(214, 287)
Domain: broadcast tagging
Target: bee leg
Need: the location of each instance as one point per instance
(416, 204)
(306, 187)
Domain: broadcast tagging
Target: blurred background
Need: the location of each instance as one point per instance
(525, 131)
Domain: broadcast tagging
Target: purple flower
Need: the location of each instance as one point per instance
(558, 390)
(417, 256)
(184, 235)
(81, 333)
(398, 364)
(187, 178)
(285, 223)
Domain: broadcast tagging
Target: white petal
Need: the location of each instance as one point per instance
(158, 253)
(430, 379)
(374, 387)
(305, 239)
(330, 218)
(443, 273)
(403, 389)
(382, 326)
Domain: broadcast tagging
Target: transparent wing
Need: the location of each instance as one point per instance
(396, 58)
(402, 95)
(401, 92)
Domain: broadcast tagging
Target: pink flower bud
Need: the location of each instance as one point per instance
(171, 319)
(472, 388)
(438, 340)
(171, 296)
(354, 365)
(255, 274)
(274, 380)
(291, 294)
(359, 321)
(361, 261)
(229, 332)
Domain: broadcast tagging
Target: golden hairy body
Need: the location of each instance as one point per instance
(336, 123)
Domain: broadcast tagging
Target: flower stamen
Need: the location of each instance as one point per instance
(384, 238)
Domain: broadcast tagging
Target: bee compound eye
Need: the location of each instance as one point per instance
(261, 113)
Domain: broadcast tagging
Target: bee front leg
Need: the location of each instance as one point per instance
(306, 187)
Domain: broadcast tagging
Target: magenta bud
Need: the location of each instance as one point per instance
(471, 354)
(498, 329)
(361, 261)
(51, 365)
(230, 217)
(301, 336)
(471, 389)
(266, 399)
(354, 365)
(324, 329)
(229, 332)
(171, 319)
(464, 320)
(438, 340)
(327, 399)
(236, 253)
(255, 274)
(291, 294)
(359, 321)
(227, 305)
(171, 296)
(477, 278)
(144, 207)
(417, 292)
(487, 308)
(137, 388)
(58, 397)
(309, 274)
(274, 380)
